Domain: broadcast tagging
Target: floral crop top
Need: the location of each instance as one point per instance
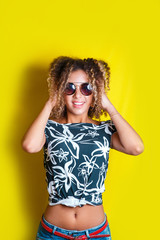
(76, 161)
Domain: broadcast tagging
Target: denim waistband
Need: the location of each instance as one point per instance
(72, 232)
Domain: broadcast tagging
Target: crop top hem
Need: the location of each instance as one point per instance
(70, 205)
(73, 202)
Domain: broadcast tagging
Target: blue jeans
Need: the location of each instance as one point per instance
(43, 234)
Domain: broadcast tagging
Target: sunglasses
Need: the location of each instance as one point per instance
(85, 89)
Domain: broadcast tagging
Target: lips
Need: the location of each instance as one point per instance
(78, 104)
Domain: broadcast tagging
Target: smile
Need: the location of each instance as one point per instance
(78, 104)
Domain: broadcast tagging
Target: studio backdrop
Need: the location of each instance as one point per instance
(126, 35)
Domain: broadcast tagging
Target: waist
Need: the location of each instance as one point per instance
(78, 218)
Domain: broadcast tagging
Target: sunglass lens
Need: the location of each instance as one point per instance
(86, 89)
(70, 89)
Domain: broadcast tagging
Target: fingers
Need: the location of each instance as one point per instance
(100, 84)
(52, 101)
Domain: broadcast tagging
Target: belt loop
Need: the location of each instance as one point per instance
(87, 234)
(54, 229)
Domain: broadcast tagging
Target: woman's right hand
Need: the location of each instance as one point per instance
(51, 102)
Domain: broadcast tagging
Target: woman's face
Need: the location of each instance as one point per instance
(77, 103)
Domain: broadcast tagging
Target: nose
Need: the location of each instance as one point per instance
(77, 93)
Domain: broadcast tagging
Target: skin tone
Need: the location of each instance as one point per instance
(125, 140)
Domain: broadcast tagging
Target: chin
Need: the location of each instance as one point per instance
(77, 111)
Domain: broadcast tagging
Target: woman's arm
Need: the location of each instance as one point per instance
(126, 139)
(34, 138)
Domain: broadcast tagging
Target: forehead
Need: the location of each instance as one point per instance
(78, 76)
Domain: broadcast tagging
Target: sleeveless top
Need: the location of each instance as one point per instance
(76, 161)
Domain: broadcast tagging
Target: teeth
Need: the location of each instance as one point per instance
(78, 103)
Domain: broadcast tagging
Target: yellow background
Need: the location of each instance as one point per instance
(126, 35)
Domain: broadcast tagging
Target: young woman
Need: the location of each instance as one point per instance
(76, 148)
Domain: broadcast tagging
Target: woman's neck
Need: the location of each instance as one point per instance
(76, 119)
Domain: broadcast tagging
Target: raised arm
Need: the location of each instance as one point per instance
(34, 138)
(126, 139)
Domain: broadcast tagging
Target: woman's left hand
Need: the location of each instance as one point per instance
(105, 102)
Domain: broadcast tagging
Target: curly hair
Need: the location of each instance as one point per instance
(98, 73)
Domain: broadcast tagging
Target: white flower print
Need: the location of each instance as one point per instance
(83, 189)
(61, 155)
(68, 138)
(82, 171)
(93, 127)
(86, 191)
(100, 182)
(64, 175)
(102, 169)
(103, 149)
(49, 154)
(92, 133)
(85, 169)
(54, 188)
(88, 165)
(49, 170)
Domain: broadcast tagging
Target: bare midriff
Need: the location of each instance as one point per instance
(74, 218)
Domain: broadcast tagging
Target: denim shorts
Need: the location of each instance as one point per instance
(91, 233)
